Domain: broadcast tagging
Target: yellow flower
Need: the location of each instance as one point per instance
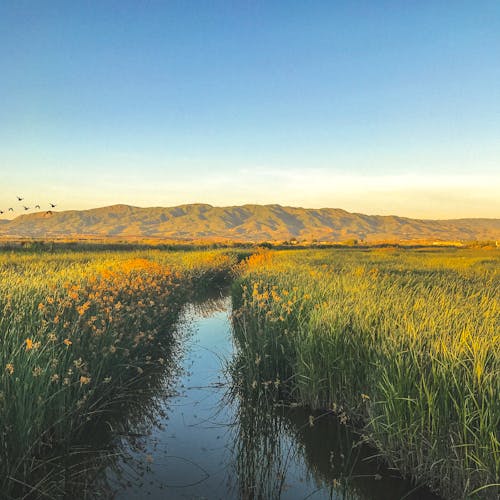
(84, 380)
(67, 342)
(29, 344)
(9, 368)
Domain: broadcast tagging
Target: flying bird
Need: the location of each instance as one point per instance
(19, 198)
(48, 212)
(26, 208)
(1, 212)
(11, 209)
(37, 206)
(52, 205)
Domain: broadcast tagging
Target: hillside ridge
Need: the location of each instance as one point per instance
(250, 222)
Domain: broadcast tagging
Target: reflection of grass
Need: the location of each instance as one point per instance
(98, 461)
(271, 435)
(405, 342)
(337, 456)
(262, 456)
(80, 334)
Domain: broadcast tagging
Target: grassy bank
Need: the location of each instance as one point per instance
(402, 344)
(80, 331)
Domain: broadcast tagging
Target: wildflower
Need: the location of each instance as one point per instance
(67, 342)
(78, 363)
(29, 344)
(84, 380)
(37, 371)
(41, 307)
(311, 420)
(9, 368)
(107, 380)
(365, 397)
(54, 377)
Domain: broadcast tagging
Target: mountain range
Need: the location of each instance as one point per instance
(242, 223)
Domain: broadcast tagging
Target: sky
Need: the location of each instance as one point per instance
(387, 107)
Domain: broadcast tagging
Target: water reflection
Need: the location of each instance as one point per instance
(285, 451)
(188, 451)
(201, 428)
(101, 462)
(82, 466)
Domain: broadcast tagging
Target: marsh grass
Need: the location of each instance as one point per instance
(403, 345)
(81, 334)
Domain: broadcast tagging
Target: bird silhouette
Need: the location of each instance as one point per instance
(52, 205)
(26, 208)
(19, 198)
(37, 206)
(48, 212)
(1, 212)
(11, 209)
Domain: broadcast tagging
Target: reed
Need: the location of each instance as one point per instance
(80, 333)
(401, 344)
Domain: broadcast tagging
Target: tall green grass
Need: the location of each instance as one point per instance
(80, 333)
(403, 344)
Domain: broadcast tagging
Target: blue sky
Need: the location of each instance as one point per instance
(376, 107)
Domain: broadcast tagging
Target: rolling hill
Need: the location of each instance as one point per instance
(242, 223)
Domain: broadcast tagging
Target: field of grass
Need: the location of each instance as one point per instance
(80, 331)
(402, 344)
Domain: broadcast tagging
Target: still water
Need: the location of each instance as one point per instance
(197, 440)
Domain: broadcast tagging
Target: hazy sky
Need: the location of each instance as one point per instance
(371, 106)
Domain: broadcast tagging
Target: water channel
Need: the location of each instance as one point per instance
(197, 440)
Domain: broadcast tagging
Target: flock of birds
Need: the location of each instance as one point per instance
(38, 207)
